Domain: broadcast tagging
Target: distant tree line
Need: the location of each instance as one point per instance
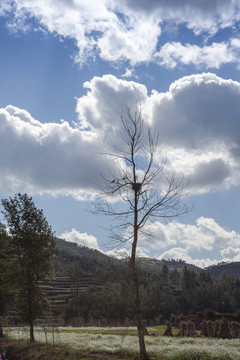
(162, 295)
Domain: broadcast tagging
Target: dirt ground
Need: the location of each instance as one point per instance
(22, 350)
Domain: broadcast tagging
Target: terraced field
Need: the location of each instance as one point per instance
(61, 289)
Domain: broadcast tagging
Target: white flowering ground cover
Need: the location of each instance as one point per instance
(159, 347)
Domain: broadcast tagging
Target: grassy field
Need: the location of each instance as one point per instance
(123, 343)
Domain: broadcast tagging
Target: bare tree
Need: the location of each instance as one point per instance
(149, 192)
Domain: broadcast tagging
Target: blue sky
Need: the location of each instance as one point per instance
(66, 66)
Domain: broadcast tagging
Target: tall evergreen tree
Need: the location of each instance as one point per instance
(32, 244)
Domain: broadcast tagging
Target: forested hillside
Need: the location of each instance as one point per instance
(232, 269)
(99, 290)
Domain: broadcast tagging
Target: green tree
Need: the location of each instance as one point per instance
(32, 244)
(175, 278)
(204, 291)
(165, 274)
(5, 261)
(224, 289)
(189, 287)
(147, 189)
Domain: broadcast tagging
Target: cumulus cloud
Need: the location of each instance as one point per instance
(208, 241)
(194, 115)
(156, 236)
(60, 159)
(118, 253)
(199, 15)
(130, 30)
(197, 119)
(99, 108)
(231, 254)
(211, 56)
(50, 157)
(206, 234)
(83, 239)
(125, 253)
(182, 254)
(198, 108)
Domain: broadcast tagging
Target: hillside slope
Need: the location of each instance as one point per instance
(232, 269)
(69, 252)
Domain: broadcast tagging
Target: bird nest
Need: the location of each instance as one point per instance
(136, 186)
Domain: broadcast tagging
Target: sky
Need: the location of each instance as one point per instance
(66, 68)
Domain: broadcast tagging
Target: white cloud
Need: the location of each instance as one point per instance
(125, 253)
(83, 239)
(199, 16)
(57, 158)
(97, 27)
(205, 169)
(195, 112)
(99, 108)
(176, 253)
(197, 119)
(202, 244)
(156, 236)
(231, 254)
(198, 122)
(128, 73)
(206, 234)
(212, 56)
(182, 254)
(118, 253)
(46, 157)
(5, 6)
(135, 42)
(130, 30)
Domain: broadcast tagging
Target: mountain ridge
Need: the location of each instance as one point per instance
(73, 250)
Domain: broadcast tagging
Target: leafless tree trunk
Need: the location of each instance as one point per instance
(1, 330)
(148, 191)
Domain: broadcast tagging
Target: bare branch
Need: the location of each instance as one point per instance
(147, 192)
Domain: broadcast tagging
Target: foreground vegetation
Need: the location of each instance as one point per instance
(104, 343)
(26, 246)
